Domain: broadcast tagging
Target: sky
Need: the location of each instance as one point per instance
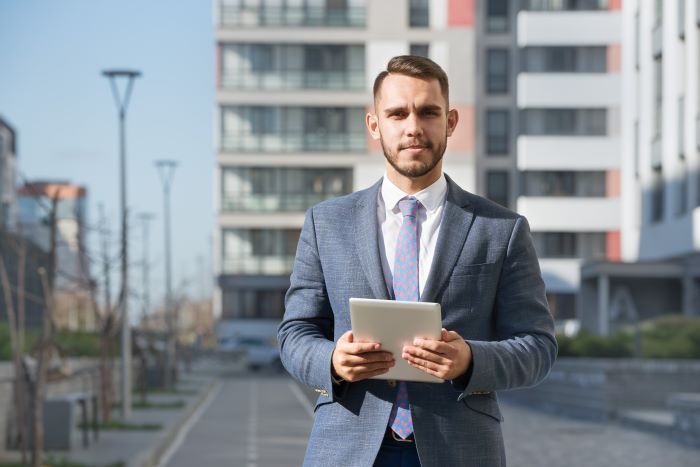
(52, 53)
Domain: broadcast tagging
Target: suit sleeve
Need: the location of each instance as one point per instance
(305, 334)
(525, 348)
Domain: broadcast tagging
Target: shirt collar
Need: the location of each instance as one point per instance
(431, 197)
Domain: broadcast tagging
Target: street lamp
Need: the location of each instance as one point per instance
(166, 170)
(122, 103)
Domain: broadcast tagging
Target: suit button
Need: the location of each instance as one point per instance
(391, 383)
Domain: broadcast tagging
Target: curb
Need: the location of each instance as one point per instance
(150, 457)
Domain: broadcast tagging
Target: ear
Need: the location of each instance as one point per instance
(452, 119)
(372, 123)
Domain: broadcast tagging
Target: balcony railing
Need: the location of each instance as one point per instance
(294, 16)
(309, 142)
(273, 202)
(565, 5)
(271, 265)
(294, 79)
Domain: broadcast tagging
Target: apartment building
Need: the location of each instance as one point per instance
(8, 176)
(293, 81)
(660, 166)
(73, 309)
(548, 129)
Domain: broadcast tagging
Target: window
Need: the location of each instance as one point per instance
(563, 5)
(422, 50)
(497, 132)
(562, 305)
(497, 186)
(682, 200)
(560, 183)
(497, 71)
(558, 59)
(275, 13)
(419, 14)
(497, 16)
(657, 194)
(658, 96)
(570, 244)
(564, 122)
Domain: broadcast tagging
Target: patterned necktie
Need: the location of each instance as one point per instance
(406, 289)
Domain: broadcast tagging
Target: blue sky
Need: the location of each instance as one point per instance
(52, 92)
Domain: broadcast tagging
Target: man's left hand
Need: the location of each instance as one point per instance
(446, 358)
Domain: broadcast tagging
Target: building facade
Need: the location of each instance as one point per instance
(294, 82)
(73, 309)
(661, 167)
(548, 129)
(8, 176)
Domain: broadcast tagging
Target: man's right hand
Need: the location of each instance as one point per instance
(355, 361)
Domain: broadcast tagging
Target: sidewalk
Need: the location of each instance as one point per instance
(140, 447)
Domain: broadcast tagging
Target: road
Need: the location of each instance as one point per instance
(264, 420)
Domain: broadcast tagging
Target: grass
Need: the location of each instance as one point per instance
(50, 462)
(170, 405)
(125, 426)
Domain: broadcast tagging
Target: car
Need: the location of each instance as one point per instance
(258, 351)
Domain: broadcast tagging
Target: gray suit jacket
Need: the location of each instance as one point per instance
(486, 277)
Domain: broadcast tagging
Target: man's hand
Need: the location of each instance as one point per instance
(355, 361)
(447, 358)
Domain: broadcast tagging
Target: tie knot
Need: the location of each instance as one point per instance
(409, 206)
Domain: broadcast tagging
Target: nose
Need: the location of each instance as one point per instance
(413, 127)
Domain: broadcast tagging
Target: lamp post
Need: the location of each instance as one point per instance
(166, 170)
(122, 103)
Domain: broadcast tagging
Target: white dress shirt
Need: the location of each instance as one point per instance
(429, 217)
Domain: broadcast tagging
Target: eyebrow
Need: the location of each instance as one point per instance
(422, 108)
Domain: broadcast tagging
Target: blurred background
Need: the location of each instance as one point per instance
(157, 158)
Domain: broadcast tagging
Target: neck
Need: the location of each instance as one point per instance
(412, 185)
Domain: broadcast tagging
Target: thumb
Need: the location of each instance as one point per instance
(347, 337)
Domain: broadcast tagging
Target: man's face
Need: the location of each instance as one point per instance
(412, 124)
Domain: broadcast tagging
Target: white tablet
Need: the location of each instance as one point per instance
(394, 324)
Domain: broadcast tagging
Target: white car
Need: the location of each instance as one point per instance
(258, 351)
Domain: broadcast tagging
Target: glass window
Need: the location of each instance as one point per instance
(419, 14)
(497, 16)
(658, 95)
(497, 71)
(564, 59)
(497, 189)
(497, 132)
(586, 245)
(563, 5)
(682, 201)
(560, 183)
(564, 122)
(422, 50)
(657, 194)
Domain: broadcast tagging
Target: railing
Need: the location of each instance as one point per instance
(293, 79)
(299, 16)
(565, 5)
(272, 202)
(308, 142)
(259, 265)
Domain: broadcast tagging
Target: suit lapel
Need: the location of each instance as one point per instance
(454, 228)
(366, 227)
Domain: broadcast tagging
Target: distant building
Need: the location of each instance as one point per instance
(660, 272)
(293, 83)
(73, 310)
(8, 176)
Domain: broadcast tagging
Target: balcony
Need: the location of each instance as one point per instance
(560, 28)
(266, 265)
(568, 153)
(295, 142)
(275, 202)
(255, 16)
(557, 214)
(294, 79)
(568, 90)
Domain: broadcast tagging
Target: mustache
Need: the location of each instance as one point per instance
(423, 144)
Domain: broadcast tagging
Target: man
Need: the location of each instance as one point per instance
(445, 245)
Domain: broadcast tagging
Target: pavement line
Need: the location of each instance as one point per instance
(305, 403)
(253, 424)
(187, 426)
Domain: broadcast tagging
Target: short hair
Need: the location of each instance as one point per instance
(417, 67)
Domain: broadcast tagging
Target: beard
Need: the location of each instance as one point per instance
(416, 168)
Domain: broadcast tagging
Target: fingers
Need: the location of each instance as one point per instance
(347, 359)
